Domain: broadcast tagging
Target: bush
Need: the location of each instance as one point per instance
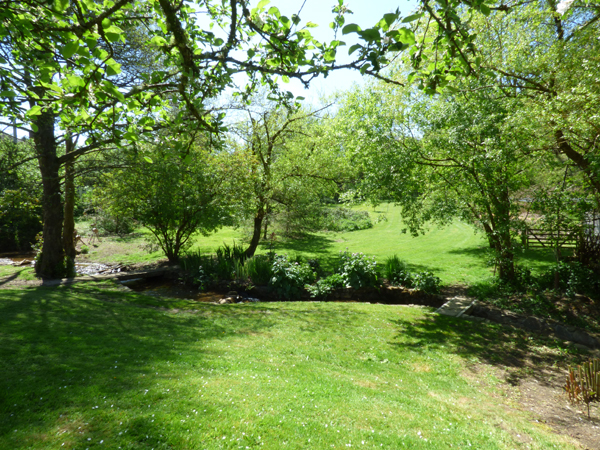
(288, 278)
(343, 219)
(358, 270)
(260, 270)
(397, 273)
(427, 282)
(322, 288)
(574, 278)
(118, 224)
(85, 249)
(20, 220)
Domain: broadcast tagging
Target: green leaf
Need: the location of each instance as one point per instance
(350, 28)
(113, 33)
(285, 79)
(69, 49)
(112, 67)
(35, 110)
(412, 18)
(75, 81)
(34, 127)
(148, 159)
(354, 48)
(406, 36)
(274, 11)
(329, 55)
(485, 10)
(61, 5)
(262, 4)
(312, 25)
(390, 18)
(370, 35)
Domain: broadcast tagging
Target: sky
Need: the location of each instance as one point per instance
(366, 13)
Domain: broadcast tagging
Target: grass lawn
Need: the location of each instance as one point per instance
(456, 253)
(92, 366)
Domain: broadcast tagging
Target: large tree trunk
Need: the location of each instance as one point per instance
(51, 263)
(69, 219)
(258, 220)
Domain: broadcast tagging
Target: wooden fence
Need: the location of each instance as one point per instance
(537, 238)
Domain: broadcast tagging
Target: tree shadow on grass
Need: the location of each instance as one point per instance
(513, 350)
(538, 255)
(80, 357)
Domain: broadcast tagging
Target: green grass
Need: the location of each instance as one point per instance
(456, 253)
(95, 367)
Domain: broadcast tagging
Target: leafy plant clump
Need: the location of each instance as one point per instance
(583, 383)
(260, 269)
(358, 270)
(426, 282)
(325, 286)
(289, 278)
(343, 219)
(397, 274)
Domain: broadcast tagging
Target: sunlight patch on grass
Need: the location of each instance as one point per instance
(91, 366)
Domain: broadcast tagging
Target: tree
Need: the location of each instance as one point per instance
(289, 169)
(444, 157)
(175, 197)
(59, 76)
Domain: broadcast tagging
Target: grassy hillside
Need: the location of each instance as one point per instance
(95, 367)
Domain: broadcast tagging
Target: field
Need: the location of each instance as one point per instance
(93, 366)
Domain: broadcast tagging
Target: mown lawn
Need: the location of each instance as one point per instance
(456, 253)
(92, 366)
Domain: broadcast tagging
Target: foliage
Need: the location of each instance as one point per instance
(119, 223)
(583, 383)
(20, 220)
(344, 219)
(174, 197)
(85, 250)
(574, 278)
(426, 282)
(289, 278)
(260, 269)
(325, 286)
(234, 252)
(397, 273)
(358, 270)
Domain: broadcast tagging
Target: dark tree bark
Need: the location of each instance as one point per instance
(51, 263)
(258, 220)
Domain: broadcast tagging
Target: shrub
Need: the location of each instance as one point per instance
(260, 270)
(20, 220)
(427, 282)
(288, 278)
(325, 286)
(235, 252)
(85, 249)
(118, 224)
(574, 278)
(343, 219)
(358, 270)
(397, 273)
